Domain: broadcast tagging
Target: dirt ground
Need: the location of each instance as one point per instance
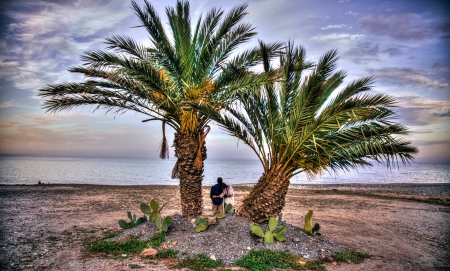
(43, 227)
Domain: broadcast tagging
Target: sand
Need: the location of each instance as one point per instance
(44, 227)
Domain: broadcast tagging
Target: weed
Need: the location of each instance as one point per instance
(266, 259)
(199, 262)
(134, 266)
(112, 234)
(52, 238)
(167, 253)
(350, 255)
(131, 246)
(157, 239)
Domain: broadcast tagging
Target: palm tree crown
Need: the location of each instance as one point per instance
(161, 80)
(304, 123)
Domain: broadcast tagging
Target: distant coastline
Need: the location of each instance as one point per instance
(22, 169)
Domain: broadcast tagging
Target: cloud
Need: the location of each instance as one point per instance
(407, 76)
(70, 135)
(352, 13)
(7, 104)
(318, 17)
(404, 27)
(42, 39)
(337, 37)
(416, 110)
(441, 67)
(421, 131)
(336, 26)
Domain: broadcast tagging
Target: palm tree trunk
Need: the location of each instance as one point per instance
(186, 149)
(267, 198)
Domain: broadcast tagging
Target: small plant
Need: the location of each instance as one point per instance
(199, 262)
(133, 221)
(280, 217)
(157, 239)
(167, 253)
(271, 233)
(309, 228)
(266, 259)
(228, 209)
(202, 224)
(151, 210)
(130, 246)
(350, 255)
(163, 224)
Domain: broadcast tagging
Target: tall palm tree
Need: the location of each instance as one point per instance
(306, 123)
(161, 79)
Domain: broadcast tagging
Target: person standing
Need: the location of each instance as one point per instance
(216, 190)
(229, 192)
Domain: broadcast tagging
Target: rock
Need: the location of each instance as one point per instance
(149, 252)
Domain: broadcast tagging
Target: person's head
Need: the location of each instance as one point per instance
(219, 180)
(224, 185)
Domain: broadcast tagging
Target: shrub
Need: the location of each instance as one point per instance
(199, 262)
(267, 260)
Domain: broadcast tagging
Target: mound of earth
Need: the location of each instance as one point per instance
(231, 238)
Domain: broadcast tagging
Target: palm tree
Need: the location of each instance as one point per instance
(304, 123)
(160, 80)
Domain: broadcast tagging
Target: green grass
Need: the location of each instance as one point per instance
(111, 234)
(157, 239)
(131, 246)
(351, 255)
(134, 266)
(199, 262)
(167, 253)
(267, 260)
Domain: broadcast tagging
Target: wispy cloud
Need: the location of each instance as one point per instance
(7, 104)
(352, 13)
(416, 110)
(336, 26)
(408, 76)
(49, 135)
(405, 27)
(338, 37)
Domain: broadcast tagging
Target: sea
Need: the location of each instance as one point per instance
(16, 170)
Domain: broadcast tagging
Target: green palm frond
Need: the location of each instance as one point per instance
(304, 122)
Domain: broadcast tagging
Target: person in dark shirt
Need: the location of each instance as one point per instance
(216, 190)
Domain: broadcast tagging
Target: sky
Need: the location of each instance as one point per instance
(404, 44)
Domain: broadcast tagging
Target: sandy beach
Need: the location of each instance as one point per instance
(44, 227)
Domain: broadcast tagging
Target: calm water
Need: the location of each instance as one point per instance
(144, 171)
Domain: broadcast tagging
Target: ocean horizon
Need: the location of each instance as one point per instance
(22, 169)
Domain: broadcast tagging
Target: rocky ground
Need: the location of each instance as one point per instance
(45, 227)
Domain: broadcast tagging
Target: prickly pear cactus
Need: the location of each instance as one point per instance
(123, 224)
(311, 228)
(151, 210)
(272, 233)
(202, 224)
(133, 221)
(163, 224)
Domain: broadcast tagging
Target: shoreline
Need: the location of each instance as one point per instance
(418, 189)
